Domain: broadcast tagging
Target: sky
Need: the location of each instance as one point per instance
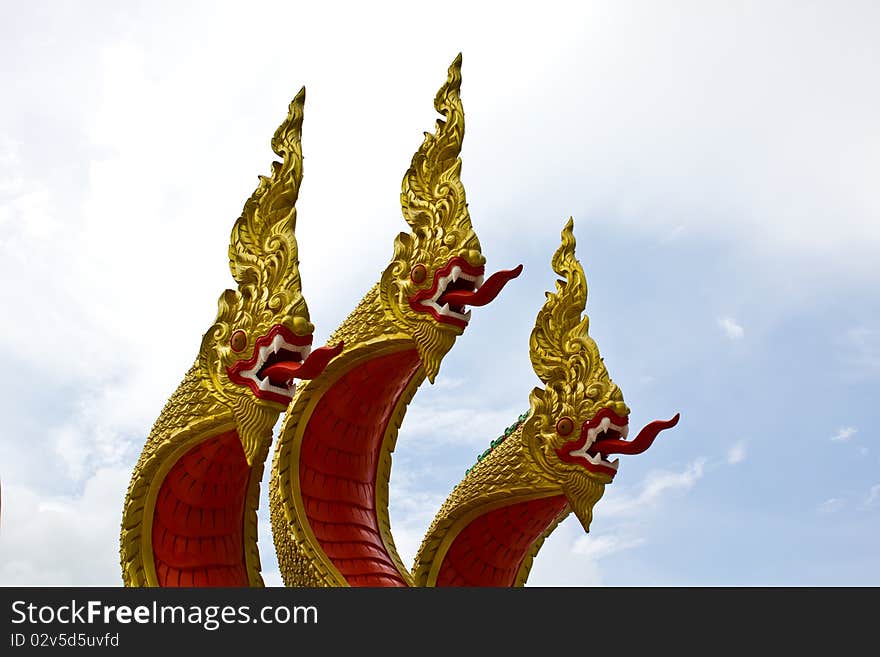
(720, 161)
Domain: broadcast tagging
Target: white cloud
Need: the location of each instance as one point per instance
(596, 547)
(411, 522)
(70, 540)
(412, 508)
(446, 421)
(831, 505)
(861, 351)
(618, 502)
(673, 234)
(449, 383)
(271, 577)
(737, 453)
(873, 495)
(570, 558)
(266, 542)
(557, 564)
(9, 153)
(844, 434)
(118, 233)
(731, 328)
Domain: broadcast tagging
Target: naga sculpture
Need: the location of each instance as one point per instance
(554, 460)
(190, 512)
(329, 481)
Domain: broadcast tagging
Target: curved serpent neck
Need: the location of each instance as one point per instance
(366, 322)
(333, 460)
(489, 530)
(192, 419)
(189, 517)
(503, 481)
(330, 472)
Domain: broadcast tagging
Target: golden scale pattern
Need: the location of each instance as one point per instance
(189, 406)
(299, 560)
(434, 206)
(563, 355)
(263, 261)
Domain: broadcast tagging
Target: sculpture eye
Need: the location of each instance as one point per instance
(418, 274)
(565, 426)
(238, 340)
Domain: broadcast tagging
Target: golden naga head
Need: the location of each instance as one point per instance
(437, 269)
(261, 339)
(579, 419)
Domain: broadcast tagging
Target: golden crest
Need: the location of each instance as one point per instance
(577, 384)
(334, 448)
(268, 306)
(241, 380)
(441, 253)
(550, 462)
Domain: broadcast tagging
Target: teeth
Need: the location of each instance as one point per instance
(441, 288)
(278, 343)
(455, 274)
(591, 438)
(604, 424)
(614, 463)
(624, 431)
(594, 459)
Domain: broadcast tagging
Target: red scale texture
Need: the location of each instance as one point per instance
(338, 462)
(489, 551)
(199, 517)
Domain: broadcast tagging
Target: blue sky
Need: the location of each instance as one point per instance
(720, 163)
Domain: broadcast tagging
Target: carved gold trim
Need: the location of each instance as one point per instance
(155, 472)
(263, 260)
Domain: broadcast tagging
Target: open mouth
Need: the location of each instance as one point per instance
(280, 357)
(457, 286)
(606, 434)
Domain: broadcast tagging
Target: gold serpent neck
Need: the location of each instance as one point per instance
(392, 318)
(209, 403)
(190, 412)
(366, 322)
(368, 333)
(505, 475)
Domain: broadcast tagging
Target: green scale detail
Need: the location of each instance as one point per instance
(500, 439)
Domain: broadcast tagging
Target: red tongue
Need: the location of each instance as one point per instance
(638, 444)
(280, 373)
(488, 290)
